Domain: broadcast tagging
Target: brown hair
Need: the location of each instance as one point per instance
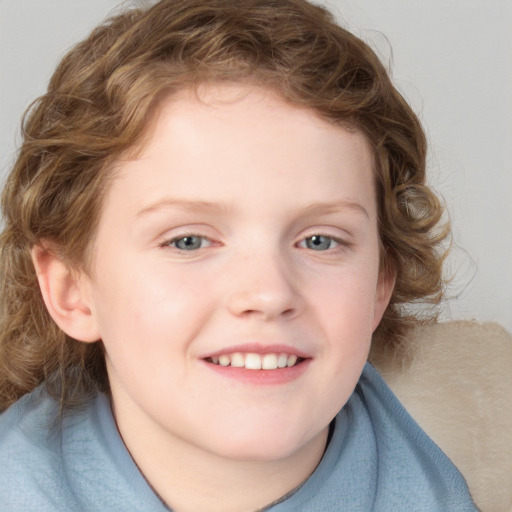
(98, 103)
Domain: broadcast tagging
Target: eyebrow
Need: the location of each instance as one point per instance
(336, 206)
(163, 204)
(212, 207)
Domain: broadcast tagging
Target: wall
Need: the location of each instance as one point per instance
(451, 60)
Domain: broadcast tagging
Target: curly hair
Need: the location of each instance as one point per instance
(101, 98)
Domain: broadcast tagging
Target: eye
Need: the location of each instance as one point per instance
(189, 243)
(319, 243)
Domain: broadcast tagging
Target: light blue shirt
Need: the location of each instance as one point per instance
(378, 460)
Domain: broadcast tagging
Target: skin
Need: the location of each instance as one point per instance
(250, 180)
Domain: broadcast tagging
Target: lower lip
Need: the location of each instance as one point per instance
(276, 377)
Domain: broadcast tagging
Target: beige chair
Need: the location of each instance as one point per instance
(456, 381)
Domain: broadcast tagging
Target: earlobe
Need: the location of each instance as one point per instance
(65, 293)
(385, 287)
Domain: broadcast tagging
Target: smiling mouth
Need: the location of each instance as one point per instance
(252, 361)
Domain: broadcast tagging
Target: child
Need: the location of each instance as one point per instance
(217, 206)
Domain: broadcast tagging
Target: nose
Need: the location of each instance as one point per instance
(264, 287)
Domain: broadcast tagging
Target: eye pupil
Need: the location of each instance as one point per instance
(318, 242)
(189, 243)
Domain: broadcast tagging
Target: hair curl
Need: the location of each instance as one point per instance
(101, 98)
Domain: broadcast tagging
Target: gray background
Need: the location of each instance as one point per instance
(452, 60)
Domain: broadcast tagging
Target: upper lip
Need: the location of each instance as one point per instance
(258, 348)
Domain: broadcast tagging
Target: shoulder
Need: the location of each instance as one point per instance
(30, 456)
(27, 424)
(416, 470)
(50, 463)
(379, 459)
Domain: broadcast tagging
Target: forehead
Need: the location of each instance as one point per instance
(249, 101)
(217, 133)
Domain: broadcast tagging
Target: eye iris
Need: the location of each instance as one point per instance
(189, 243)
(318, 242)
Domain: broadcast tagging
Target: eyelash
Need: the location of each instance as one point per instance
(339, 243)
(172, 243)
(205, 242)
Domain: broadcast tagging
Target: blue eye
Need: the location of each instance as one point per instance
(189, 243)
(319, 243)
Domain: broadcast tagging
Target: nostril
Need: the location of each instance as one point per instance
(268, 314)
(264, 302)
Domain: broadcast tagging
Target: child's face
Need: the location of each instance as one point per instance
(246, 226)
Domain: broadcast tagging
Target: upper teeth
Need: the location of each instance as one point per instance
(253, 361)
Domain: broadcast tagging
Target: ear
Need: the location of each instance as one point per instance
(66, 295)
(385, 287)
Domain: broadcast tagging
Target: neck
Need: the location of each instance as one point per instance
(188, 479)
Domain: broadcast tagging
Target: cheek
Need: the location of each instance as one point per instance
(346, 297)
(345, 312)
(156, 309)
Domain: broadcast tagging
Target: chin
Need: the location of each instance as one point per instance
(260, 453)
(266, 445)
